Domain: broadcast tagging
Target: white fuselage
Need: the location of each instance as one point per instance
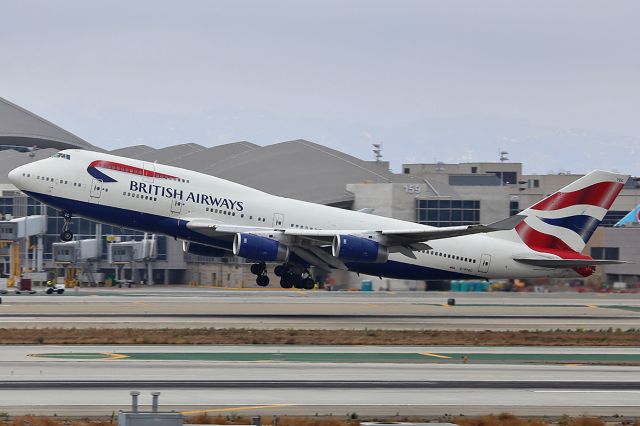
(162, 199)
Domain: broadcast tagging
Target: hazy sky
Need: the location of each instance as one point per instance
(555, 83)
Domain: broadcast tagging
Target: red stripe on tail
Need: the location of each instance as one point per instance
(546, 243)
(599, 194)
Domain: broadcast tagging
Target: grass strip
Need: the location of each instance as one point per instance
(351, 419)
(239, 336)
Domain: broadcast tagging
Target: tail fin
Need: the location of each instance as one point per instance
(565, 220)
(633, 217)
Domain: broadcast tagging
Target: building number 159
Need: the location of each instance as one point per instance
(412, 189)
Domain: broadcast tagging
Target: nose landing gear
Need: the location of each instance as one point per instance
(66, 234)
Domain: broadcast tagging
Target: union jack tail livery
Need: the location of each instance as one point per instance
(563, 223)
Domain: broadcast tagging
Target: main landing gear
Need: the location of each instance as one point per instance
(66, 234)
(260, 270)
(294, 276)
(291, 276)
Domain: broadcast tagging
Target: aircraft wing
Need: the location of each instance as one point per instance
(388, 237)
(212, 228)
(314, 245)
(409, 238)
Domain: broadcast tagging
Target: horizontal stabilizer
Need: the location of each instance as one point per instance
(566, 263)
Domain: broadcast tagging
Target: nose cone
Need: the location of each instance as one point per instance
(14, 176)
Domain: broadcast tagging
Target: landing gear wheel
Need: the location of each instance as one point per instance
(262, 280)
(66, 236)
(298, 282)
(308, 284)
(49, 290)
(286, 281)
(66, 216)
(60, 290)
(258, 268)
(279, 270)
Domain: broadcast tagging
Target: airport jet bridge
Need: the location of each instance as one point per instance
(78, 255)
(128, 253)
(18, 237)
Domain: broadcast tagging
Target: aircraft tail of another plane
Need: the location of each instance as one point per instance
(633, 217)
(563, 222)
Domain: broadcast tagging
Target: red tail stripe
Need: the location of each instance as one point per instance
(129, 169)
(585, 271)
(546, 243)
(599, 194)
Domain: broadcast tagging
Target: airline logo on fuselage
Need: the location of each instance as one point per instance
(93, 170)
(194, 197)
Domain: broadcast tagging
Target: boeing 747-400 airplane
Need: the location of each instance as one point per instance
(215, 217)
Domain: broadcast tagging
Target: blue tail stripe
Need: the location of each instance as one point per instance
(582, 225)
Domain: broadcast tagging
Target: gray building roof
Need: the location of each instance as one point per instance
(296, 169)
(20, 127)
(303, 170)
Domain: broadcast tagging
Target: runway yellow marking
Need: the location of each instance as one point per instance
(112, 355)
(221, 410)
(592, 306)
(435, 355)
(445, 305)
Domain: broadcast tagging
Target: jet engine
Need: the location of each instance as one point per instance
(357, 249)
(254, 247)
(202, 250)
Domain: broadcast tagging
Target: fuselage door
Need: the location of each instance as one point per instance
(96, 188)
(149, 171)
(278, 220)
(485, 261)
(176, 206)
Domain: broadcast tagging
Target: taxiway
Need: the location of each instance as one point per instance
(292, 380)
(198, 308)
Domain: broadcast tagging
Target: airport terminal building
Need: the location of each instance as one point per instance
(434, 194)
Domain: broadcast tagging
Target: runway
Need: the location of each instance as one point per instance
(369, 380)
(160, 307)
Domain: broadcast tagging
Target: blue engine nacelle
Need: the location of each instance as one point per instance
(255, 247)
(202, 250)
(358, 249)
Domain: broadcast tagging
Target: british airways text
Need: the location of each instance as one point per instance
(163, 191)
